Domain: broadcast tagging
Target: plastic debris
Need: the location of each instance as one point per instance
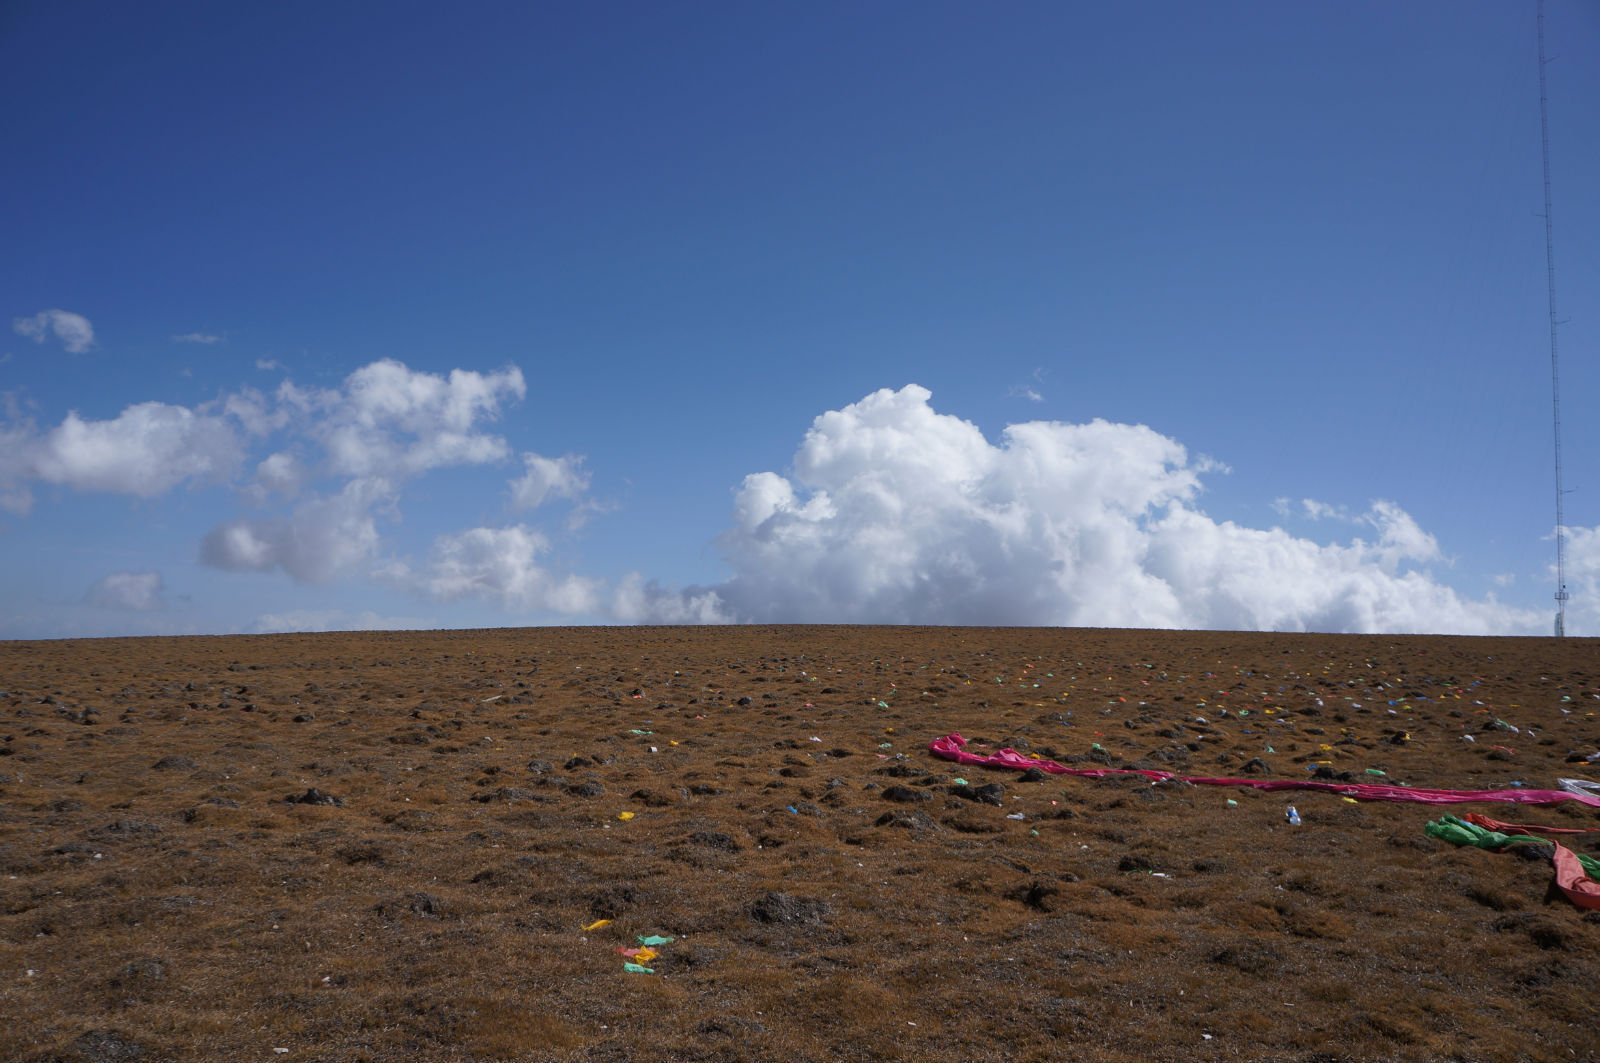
(653, 940)
(1292, 816)
(625, 816)
(597, 924)
(637, 968)
(1016, 815)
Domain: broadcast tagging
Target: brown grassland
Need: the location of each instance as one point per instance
(384, 846)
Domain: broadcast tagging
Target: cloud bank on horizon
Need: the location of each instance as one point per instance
(890, 512)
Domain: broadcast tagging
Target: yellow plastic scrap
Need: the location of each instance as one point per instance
(624, 816)
(597, 924)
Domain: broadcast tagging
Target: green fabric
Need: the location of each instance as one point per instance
(1460, 832)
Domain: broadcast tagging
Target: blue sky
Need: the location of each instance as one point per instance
(1160, 314)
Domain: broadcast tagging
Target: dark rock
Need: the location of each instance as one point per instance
(913, 819)
(906, 795)
(715, 839)
(1255, 766)
(788, 910)
(421, 904)
(314, 796)
(590, 788)
(1035, 895)
(651, 798)
(1033, 775)
(174, 762)
(989, 793)
(506, 794)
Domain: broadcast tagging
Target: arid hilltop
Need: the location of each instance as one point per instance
(735, 843)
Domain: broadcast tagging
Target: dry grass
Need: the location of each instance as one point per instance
(171, 886)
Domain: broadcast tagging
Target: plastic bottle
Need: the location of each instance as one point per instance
(1293, 816)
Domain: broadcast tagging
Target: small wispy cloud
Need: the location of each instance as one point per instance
(198, 337)
(267, 365)
(140, 591)
(1323, 511)
(1029, 391)
(73, 330)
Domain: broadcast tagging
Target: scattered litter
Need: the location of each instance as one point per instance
(1579, 786)
(1016, 815)
(640, 955)
(625, 816)
(653, 940)
(1232, 802)
(636, 731)
(485, 701)
(1292, 816)
(635, 968)
(597, 924)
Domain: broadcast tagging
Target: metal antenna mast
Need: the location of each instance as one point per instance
(1555, 365)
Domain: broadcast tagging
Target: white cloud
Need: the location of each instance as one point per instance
(390, 420)
(545, 478)
(140, 591)
(638, 601)
(280, 474)
(499, 565)
(198, 337)
(897, 514)
(335, 620)
(267, 365)
(1583, 581)
(146, 450)
(73, 330)
(320, 540)
(1323, 511)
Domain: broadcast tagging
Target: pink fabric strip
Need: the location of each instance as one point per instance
(950, 747)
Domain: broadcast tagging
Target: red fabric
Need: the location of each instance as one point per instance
(950, 748)
(1522, 828)
(1579, 888)
(1570, 879)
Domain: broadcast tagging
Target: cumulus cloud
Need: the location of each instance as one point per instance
(546, 478)
(73, 330)
(895, 513)
(140, 591)
(384, 424)
(320, 539)
(498, 565)
(640, 601)
(390, 420)
(145, 451)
